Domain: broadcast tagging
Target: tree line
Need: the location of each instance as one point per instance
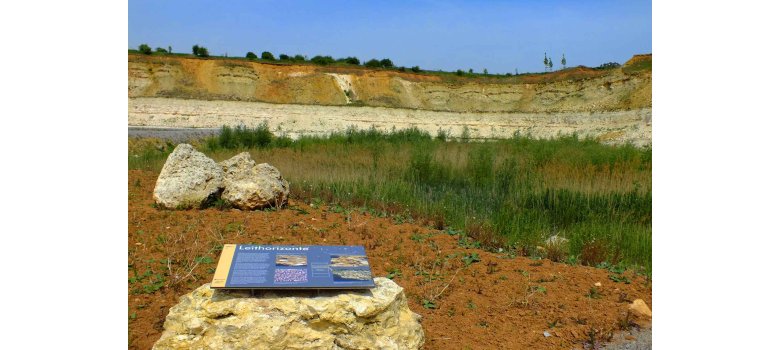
(201, 51)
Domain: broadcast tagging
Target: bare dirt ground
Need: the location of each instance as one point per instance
(481, 300)
(631, 126)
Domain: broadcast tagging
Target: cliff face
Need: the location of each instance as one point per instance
(573, 90)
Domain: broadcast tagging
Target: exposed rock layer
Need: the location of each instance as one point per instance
(575, 90)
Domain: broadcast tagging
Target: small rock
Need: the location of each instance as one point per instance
(640, 308)
(546, 334)
(597, 284)
(641, 312)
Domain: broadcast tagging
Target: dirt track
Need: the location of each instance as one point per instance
(632, 126)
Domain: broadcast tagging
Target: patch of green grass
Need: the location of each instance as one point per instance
(509, 194)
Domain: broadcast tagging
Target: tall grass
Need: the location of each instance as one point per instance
(509, 194)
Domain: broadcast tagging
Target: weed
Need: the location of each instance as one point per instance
(554, 323)
(469, 259)
(492, 267)
(470, 305)
(552, 278)
(593, 293)
(428, 304)
(394, 273)
(204, 260)
(624, 323)
(419, 238)
(221, 204)
(593, 253)
(556, 249)
(299, 210)
(623, 298)
(619, 278)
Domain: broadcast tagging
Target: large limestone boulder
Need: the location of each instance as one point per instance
(378, 318)
(188, 179)
(249, 186)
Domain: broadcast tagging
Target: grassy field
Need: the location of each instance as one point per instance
(510, 195)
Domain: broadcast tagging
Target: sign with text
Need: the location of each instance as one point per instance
(245, 266)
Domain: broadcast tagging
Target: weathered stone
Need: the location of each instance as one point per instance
(378, 318)
(239, 163)
(188, 179)
(249, 186)
(641, 312)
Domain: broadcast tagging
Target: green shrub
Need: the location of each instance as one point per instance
(160, 50)
(267, 56)
(416, 69)
(373, 63)
(284, 57)
(609, 65)
(145, 49)
(351, 60)
(251, 55)
(323, 60)
(200, 51)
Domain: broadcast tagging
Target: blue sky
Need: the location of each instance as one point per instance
(498, 35)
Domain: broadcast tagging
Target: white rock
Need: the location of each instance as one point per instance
(187, 179)
(217, 319)
(249, 186)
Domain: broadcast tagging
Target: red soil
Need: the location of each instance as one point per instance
(499, 302)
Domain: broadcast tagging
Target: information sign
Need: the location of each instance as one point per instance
(244, 266)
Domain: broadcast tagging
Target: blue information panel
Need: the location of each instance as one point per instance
(244, 266)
